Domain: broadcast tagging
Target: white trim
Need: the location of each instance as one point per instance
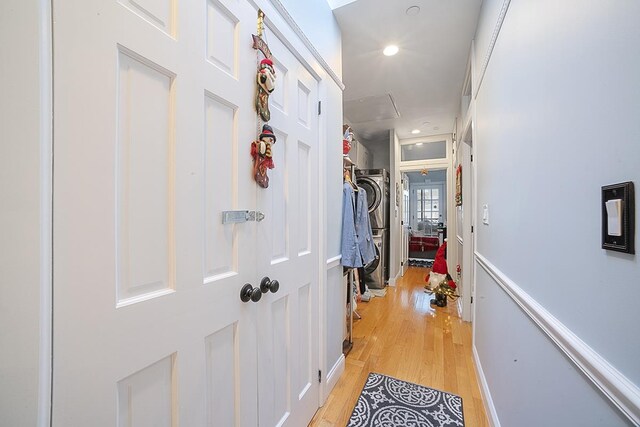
(322, 241)
(333, 376)
(294, 26)
(492, 43)
(489, 407)
(335, 261)
(45, 355)
(615, 386)
(394, 280)
(469, 199)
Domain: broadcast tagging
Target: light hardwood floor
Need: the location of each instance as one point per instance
(403, 336)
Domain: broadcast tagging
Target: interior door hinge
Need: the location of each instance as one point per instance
(319, 107)
(401, 263)
(472, 157)
(319, 376)
(471, 300)
(472, 228)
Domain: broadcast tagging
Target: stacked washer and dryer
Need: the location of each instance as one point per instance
(377, 185)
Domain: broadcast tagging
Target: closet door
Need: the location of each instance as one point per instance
(152, 102)
(288, 250)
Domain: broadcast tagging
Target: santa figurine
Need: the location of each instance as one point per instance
(266, 80)
(262, 157)
(439, 282)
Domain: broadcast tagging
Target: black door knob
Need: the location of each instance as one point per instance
(248, 292)
(267, 285)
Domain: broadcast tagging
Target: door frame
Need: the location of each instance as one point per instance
(405, 221)
(448, 186)
(444, 163)
(470, 221)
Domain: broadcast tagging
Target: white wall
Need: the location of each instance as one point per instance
(556, 119)
(316, 19)
(379, 150)
(24, 221)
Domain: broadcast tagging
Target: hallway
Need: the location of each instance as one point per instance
(403, 336)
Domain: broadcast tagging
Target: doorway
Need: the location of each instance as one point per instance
(427, 213)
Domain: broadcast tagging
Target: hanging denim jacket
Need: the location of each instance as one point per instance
(357, 241)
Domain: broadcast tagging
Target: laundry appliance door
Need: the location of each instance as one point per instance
(375, 270)
(374, 200)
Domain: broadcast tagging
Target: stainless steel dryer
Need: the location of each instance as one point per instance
(376, 183)
(374, 272)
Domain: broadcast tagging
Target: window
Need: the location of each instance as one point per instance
(428, 212)
(423, 151)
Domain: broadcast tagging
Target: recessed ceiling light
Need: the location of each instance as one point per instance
(419, 143)
(415, 131)
(436, 128)
(413, 10)
(390, 50)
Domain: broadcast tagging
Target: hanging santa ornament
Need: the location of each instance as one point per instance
(262, 157)
(266, 84)
(266, 76)
(265, 79)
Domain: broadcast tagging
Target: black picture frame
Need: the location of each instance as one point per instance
(624, 243)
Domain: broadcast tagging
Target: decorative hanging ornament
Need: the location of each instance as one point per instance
(266, 76)
(266, 84)
(262, 157)
(266, 80)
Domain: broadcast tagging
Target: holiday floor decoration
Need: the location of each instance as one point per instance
(439, 282)
(389, 402)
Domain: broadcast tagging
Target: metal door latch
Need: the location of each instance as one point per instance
(234, 217)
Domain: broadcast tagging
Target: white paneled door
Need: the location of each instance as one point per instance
(287, 251)
(153, 118)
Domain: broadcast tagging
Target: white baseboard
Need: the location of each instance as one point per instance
(394, 280)
(621, 391)
(333, 376)
(489, 407)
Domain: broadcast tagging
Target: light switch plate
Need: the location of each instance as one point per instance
(618, 217)
(485, 214)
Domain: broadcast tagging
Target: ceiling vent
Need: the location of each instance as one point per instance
(371, 108)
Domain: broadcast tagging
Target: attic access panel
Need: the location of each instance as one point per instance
(371, 108)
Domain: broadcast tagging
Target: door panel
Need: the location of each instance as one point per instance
(149, 327)
(288, 238)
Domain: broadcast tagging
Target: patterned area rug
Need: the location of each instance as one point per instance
(389, 402)
(415, 262)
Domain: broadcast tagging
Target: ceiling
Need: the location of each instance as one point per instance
(422, 82)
